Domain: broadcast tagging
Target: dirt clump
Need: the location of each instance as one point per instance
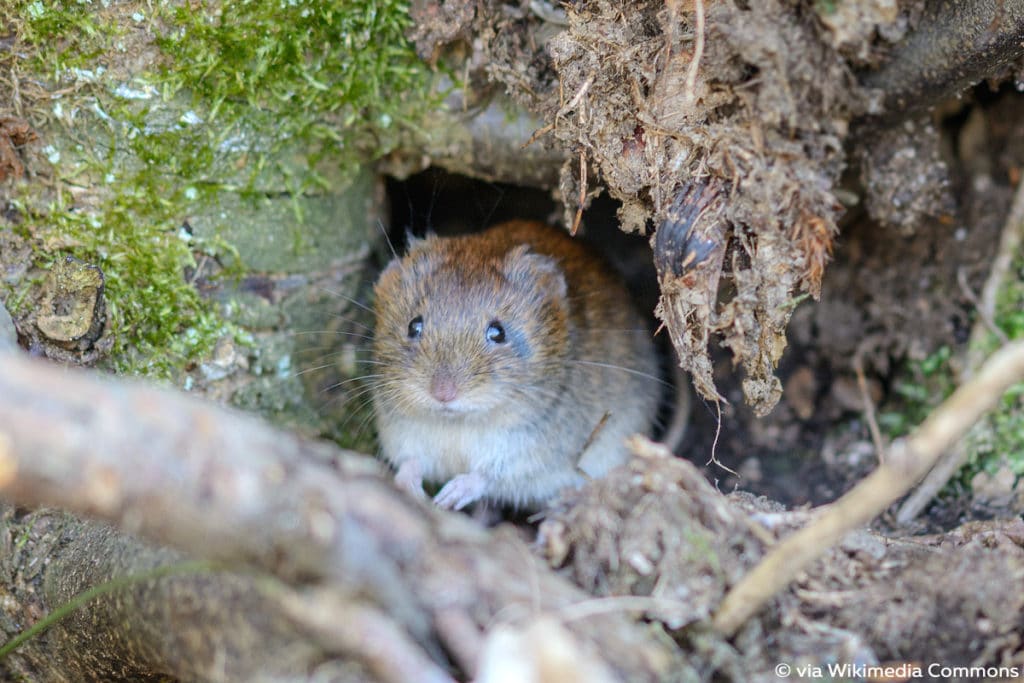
(664, 542)
(757, 98)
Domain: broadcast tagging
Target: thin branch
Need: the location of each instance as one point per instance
(698, 52)
(869, 406)
(985, 315)
(1010, 244)
(907, 463)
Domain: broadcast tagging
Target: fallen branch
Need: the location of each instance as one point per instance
(223, 486)
(908, 461)
(954, 46)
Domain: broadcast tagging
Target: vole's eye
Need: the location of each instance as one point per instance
(416, 327)
(495, 332)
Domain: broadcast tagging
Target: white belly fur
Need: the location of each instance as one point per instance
(519, 466)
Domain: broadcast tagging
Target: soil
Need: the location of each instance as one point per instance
(764, 116)
(930, 599)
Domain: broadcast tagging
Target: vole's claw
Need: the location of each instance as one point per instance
(461, 491)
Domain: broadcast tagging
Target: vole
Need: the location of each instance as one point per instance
(510, 363)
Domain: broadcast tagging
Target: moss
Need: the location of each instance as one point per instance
(337, 78)
(999, 440)
(825, 7)
(924, 385)
(65, 33)
(244, 99)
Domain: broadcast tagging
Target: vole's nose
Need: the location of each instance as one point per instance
(443, 386)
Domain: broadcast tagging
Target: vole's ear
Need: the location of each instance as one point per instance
(412, 245)
(391, 269)
(412, 241)
(413, 257)
(523, 267)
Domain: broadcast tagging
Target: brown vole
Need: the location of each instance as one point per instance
(511, 363)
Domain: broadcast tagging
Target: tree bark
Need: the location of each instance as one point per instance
(955, 45)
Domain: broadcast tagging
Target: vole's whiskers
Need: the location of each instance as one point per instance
(365, 422)
(338, 385)
(349, 299)
(387, 238)
(331, 333)
(314, 368)
(624, 330)
(611, 366)
(352, 321)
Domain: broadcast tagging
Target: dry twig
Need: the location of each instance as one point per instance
(1010, 245)
(908, 461)
(581, 200)
(869, 406)
(985, 314)
(698, 52)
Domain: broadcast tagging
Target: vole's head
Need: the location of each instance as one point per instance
(467, 328)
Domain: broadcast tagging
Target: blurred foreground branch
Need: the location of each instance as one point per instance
(329, 549)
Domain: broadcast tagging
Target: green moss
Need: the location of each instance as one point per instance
(825, 7)
(248, 99)
(65, 33)
(337, 78)
(159, 320)
(924, 385)
(999, 440)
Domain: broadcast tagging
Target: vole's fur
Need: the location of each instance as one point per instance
(525, 341)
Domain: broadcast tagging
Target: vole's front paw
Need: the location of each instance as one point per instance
(410, 478)
(461, 491)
